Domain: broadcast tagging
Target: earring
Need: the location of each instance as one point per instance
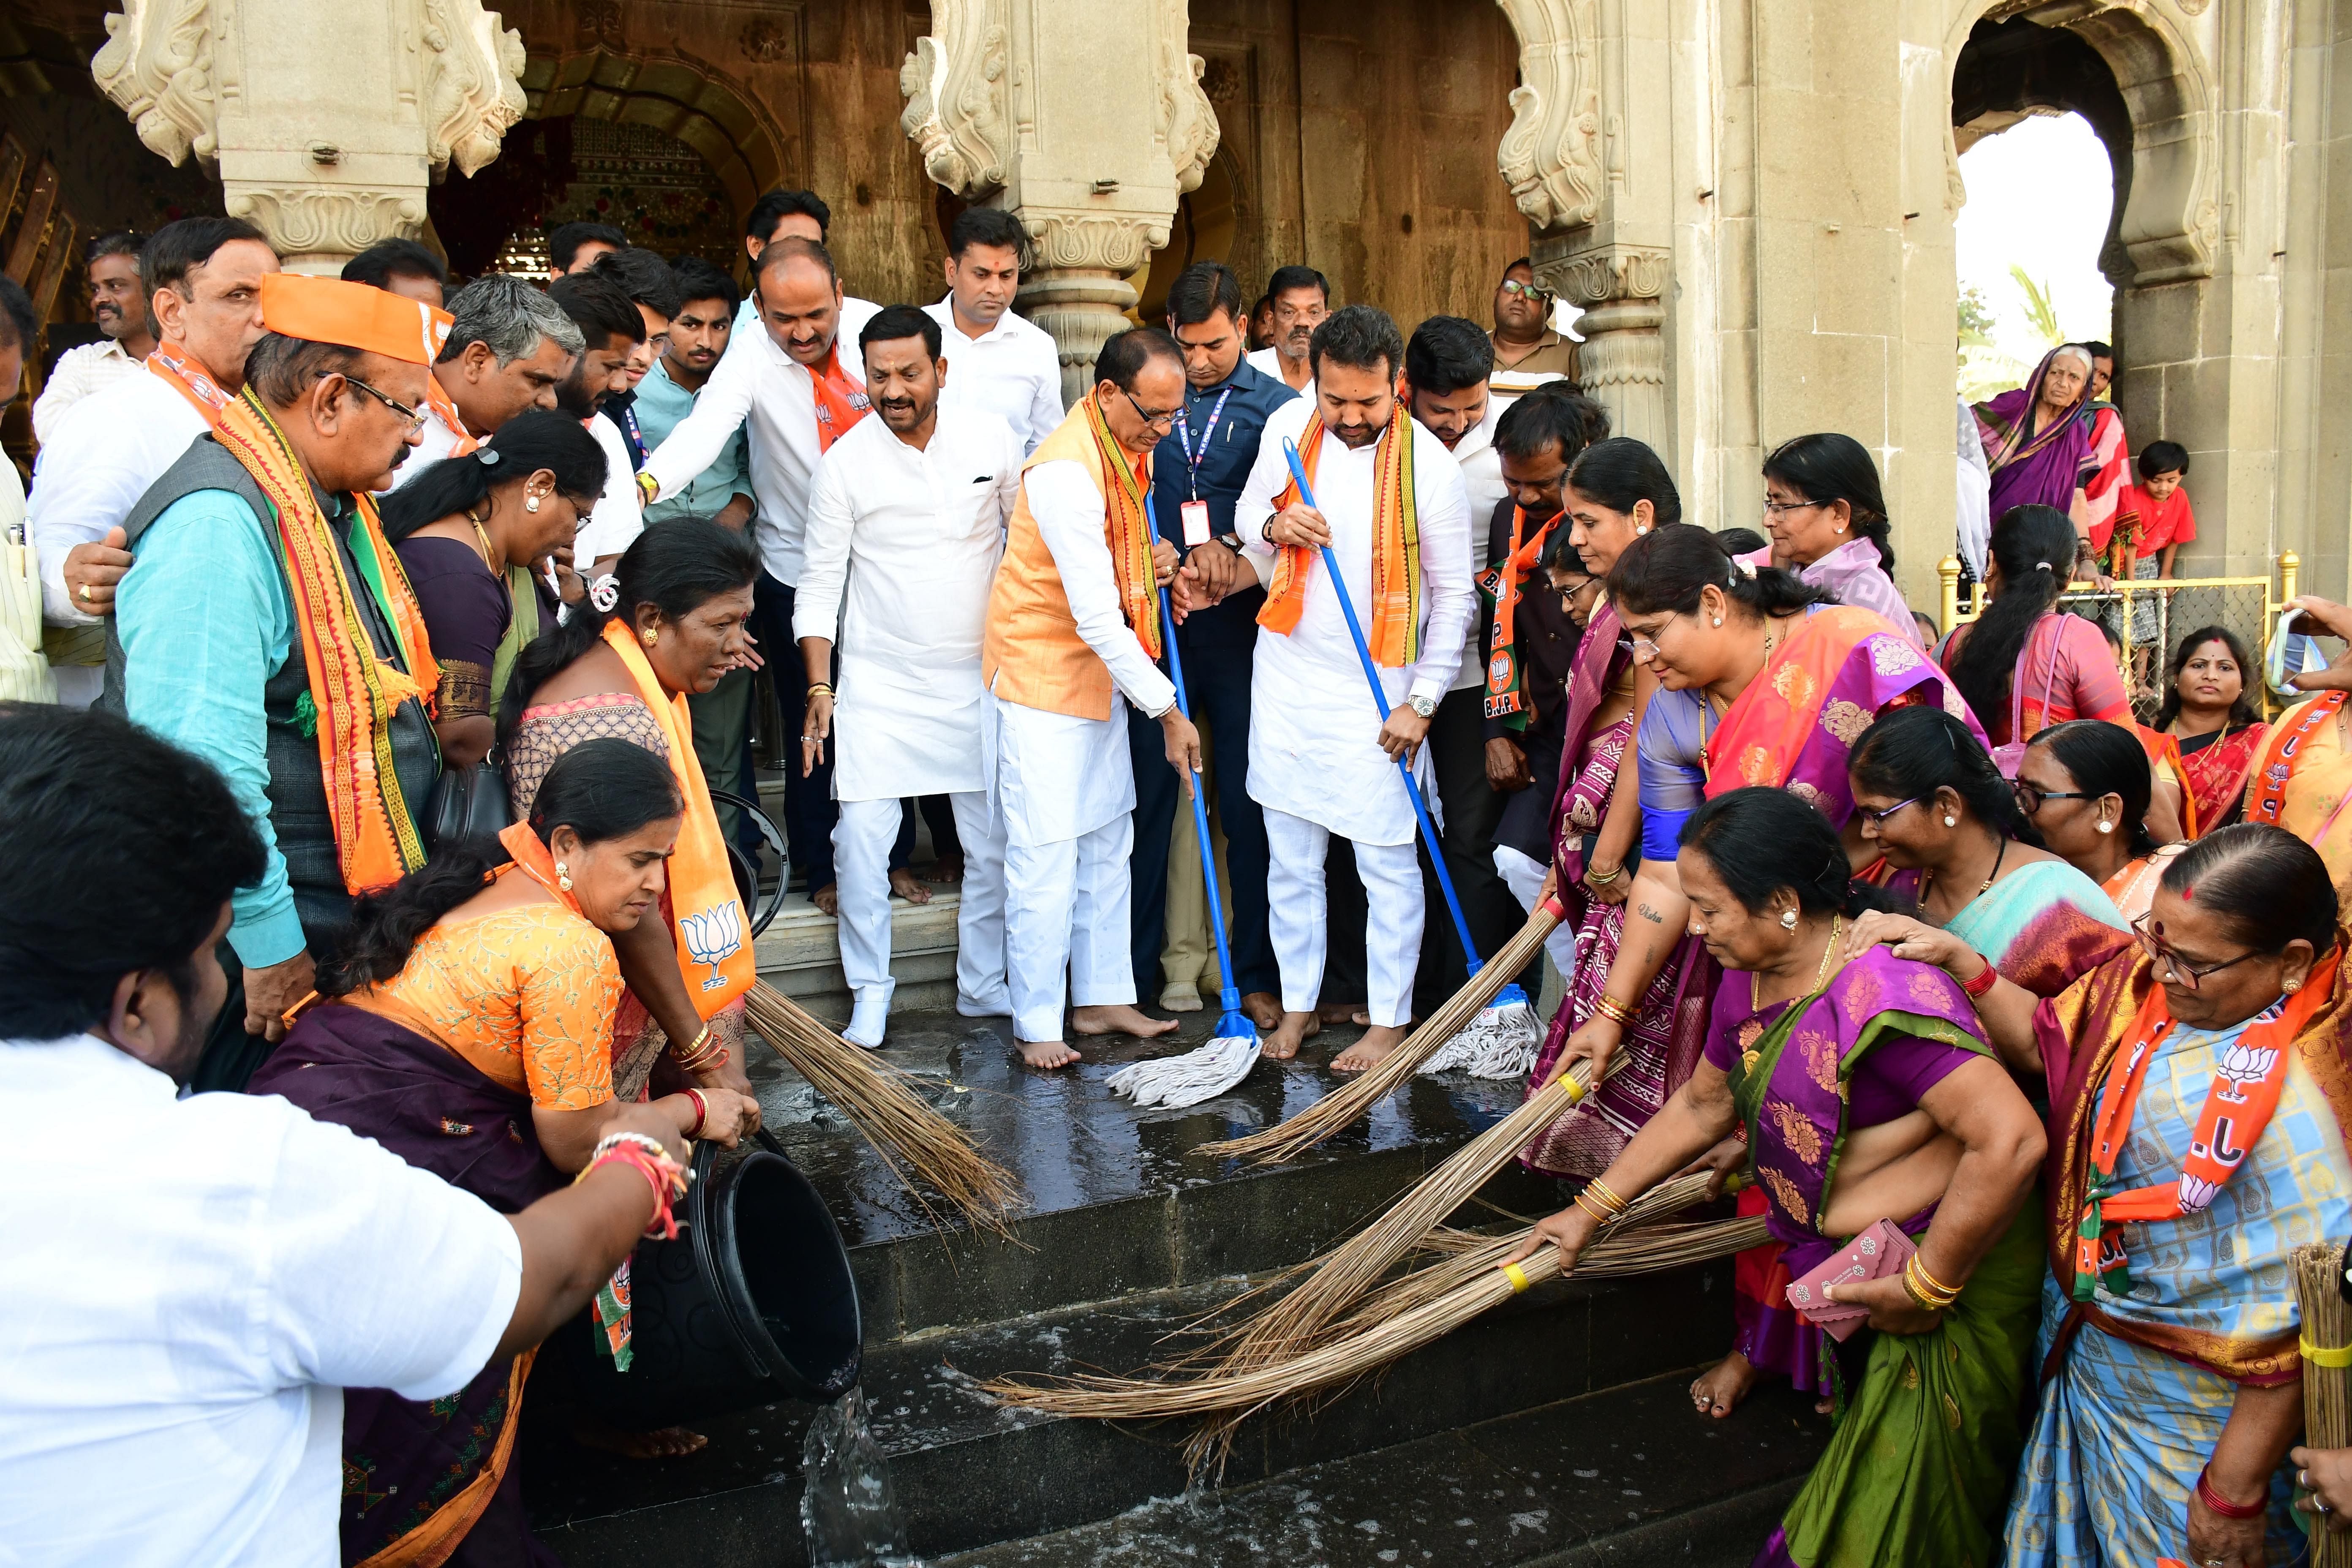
(650, 636)
(2106, 827)
(1788, 920)
(2292, 987)
(530, 503)
(1640, 531)
(1841, 528)
(562, 878)
(1951, 822)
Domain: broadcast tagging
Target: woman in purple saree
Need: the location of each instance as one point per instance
(1865, 1092)
(2034, 442)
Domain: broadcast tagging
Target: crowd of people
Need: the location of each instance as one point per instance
(423, 630)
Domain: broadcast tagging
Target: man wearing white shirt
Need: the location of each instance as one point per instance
(787, 215)
(184, 1318)
(996, 360)
(1301, 301)
(787, 382)
(1074, 627)
(510, 347)
(905, 524)
(611, 331)
(202, 277)
(120, 309)
(1322, 762)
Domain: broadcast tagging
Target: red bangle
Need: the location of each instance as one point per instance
(701, 1112)
(2222, 1505)
(1983, 982)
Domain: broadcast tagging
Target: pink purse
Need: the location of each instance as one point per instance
(2009, 757)
(1881, 1250)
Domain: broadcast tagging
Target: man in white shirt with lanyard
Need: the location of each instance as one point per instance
(996, 360)
(905, 524)
(1321, 761)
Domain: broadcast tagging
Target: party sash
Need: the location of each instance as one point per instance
(1397, 590)
(446, 412)
(712, 932)
(188, 379)
(1505, 682)
(1127, 517)
(841, 402)
(2247, 1081)
(2266, 794)
(354, 693)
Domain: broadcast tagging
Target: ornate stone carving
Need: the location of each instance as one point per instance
(1117, 243)
(473, 83)
(157, 64)
(600, 22)
(955, 85)
(1617, 272)
(765, 39)
(1222, 81)
(1552, 155)
(328, 220)
(1188, 120)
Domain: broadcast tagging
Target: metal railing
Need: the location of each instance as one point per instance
(2150, 616)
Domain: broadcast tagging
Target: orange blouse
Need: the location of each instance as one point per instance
(526, 995)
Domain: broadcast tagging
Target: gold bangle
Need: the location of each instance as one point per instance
(1924, 1288)
(1936, 1287)
(1607, 1195)
(1609, 1007)
(1594, 877)
(1598, 1215)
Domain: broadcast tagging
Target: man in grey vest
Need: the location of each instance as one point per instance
(265, 626)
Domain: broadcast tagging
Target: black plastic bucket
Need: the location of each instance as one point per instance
(751, 1304)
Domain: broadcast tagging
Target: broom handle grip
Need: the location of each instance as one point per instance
(1231, 996)
(1380, 700)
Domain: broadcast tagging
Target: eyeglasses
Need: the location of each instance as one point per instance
(2176, 968)
(1878, 818)
(1166, 421)
(1775, 507)
(416, 418)
(1526, 291)
(2031, 796)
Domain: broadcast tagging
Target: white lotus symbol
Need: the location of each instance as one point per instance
(2243, 1064)
(2196, 1194)
(713, 937)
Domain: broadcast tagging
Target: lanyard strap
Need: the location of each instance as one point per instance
(1184, 437)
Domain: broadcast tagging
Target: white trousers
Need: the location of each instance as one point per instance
(1299, 913)
(1525, 879)
(861, 857)
(1067, 913)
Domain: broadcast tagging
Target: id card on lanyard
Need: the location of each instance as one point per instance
(1195, 512)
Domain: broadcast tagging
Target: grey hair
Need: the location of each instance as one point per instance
(511, 318)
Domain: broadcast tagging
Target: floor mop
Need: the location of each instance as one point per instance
(1502, 1041)
(1226, 1059)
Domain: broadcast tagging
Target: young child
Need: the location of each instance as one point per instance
(2156, 518)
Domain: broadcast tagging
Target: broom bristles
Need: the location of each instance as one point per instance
(897, 1123)
(1342, 1106)
(2326, 1390)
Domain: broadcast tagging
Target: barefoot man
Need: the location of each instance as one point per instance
(1074, 625)
(1397, 515)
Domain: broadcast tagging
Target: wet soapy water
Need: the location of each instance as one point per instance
(847, 1513)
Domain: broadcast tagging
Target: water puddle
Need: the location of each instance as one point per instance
(847, 1513)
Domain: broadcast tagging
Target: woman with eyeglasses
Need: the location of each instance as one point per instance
(2197, 1123)
(2084, 786)
(1827, 516)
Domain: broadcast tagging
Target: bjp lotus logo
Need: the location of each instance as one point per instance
(2244, 1065)
(713, 937)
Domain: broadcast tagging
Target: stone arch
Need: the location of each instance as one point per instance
(742, 144)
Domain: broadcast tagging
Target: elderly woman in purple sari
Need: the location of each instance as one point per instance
(2034, 442)
(1864, 1091)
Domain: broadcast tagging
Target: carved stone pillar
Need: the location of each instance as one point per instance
(1623, 361)
(325, 123)
(1026, 117)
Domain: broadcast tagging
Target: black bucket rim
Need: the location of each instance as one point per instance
(753, 1342)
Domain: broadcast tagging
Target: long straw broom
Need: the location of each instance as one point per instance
(2326, 1388)
(1359, 1094)
(894, 1122)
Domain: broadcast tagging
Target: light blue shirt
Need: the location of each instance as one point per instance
(205, 620)
(661, 404)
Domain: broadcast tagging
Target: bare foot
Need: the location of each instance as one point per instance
(1340, 1013)
(1369, 1051)
(663, 1443)
(827, 898)
(1295, 1029)
(1118, 1018)
(1045, 1053)
(905, 884)
(947, 869)
(1263, 1008)
(1720, 1388)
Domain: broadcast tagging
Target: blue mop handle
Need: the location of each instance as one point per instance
(1380, 701)
(1230, 996)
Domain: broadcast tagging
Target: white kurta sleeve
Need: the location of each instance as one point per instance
(1011, 455)
(618, 516)
(87, 482)
(719, 410)
(1268, 476)
(825, 549)
(1443, 500)
(1045, 409)
(1069, 513)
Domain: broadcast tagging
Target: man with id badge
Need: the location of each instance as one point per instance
(1196, 480)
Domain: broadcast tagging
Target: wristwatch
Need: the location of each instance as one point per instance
(1230, 540)
(1424, 706)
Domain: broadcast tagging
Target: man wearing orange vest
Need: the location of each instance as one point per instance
(1073, 626)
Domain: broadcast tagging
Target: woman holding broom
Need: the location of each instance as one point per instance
(1866, 1090)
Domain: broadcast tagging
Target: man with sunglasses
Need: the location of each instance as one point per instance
(1528, 351)
(267, 627)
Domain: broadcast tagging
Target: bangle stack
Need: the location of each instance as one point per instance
(701, 1054)
(2222, 1505)
(1926, 1289)
(701, 1112)
(1609, 1007)
(1601, 1201)
(814, 687)
(1595, 877)
(650, 1160)
(1983, 982)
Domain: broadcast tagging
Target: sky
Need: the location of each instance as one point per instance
(2039, 196)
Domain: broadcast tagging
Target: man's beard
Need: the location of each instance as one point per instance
(915, 412)
(574, 396)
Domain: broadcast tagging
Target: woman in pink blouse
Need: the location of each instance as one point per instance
(2021, 665)
(1827, 516)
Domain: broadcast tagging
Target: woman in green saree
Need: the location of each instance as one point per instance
(1866, 1091)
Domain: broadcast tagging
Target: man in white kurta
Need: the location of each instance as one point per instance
(1323, 760)
(906, 523)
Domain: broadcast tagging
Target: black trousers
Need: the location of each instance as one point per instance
(809, 811)
(1217, 687)
(1473, 810)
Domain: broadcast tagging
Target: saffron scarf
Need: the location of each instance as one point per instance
(712, 933)
(841, 400)
(1397, 591)
(1126, 520)
(1506, 684)
(2266, 789)
(2163, 754)
(2246, 1084)
(188, 378)
(446, 412)
(354, 693)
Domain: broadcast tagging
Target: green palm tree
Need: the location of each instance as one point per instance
(2041, 311)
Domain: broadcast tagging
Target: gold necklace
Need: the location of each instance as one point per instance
(489, 556)
(1928, 879)
(1756, 984)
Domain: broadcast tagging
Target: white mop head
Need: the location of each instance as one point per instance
(1188, 1079)
(1501, 1042)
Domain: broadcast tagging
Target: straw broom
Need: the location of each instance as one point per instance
(2326, 1390)
(1337, 1110)
(893, 1119)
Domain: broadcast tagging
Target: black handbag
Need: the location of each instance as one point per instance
(469, 809)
